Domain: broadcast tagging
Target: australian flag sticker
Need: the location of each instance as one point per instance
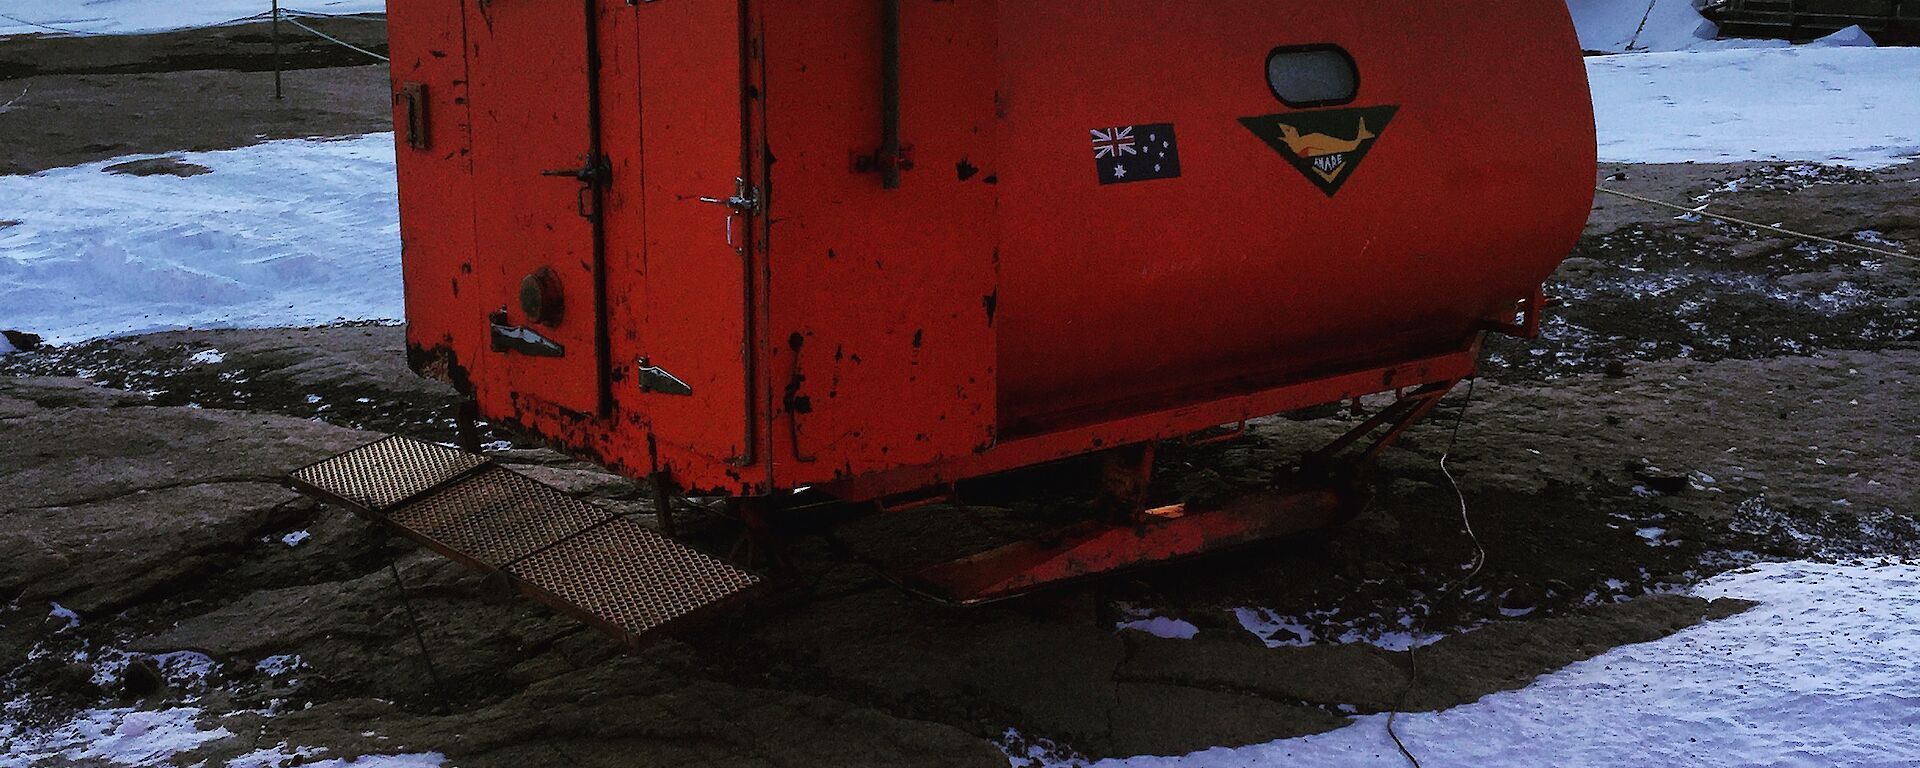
(1130, 153)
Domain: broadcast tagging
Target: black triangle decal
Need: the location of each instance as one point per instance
(1327, 145)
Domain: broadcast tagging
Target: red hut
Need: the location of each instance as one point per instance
(874, 248)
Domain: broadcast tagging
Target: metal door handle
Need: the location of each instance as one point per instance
(593, 171)
(745, 201)
(592, 174)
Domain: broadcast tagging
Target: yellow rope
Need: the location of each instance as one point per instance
(289, 18)
(1742, 222)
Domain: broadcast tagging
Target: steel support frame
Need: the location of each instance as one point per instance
(1127, 534)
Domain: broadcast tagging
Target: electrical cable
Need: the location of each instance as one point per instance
(1479, 563)
(8, 107)
(337, 41)
(85, 33)
(419, 636)
(61, 30)
(1701, 211)
(1640, 30)
(381, 19)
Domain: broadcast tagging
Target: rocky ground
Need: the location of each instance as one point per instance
(76, 100)
(1706, 397)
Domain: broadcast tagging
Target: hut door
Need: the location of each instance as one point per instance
(702, 214)
(539, 180)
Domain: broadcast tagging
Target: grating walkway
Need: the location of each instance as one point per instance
(604, 568)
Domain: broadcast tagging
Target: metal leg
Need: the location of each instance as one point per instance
(663, 502)
(1398, 417)
(466, 425)
(1124, 480)
(762, 546)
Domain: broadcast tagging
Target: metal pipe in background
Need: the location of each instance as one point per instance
(890, 94)
(276, 51)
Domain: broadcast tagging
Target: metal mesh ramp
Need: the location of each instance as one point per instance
(603, 568)
(379, 476)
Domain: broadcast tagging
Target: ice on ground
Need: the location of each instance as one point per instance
(65, 614)
(119, 737)
(278, 756)
(1161, 626)
(1821, 673)
(1278, 631)
(284, 756)
(285, 233)
(1851, 37)
(155, 738)
(1273, 629)
(180, 669)
(1857, 107)
(123, 17)
(275, 666)
(185, 666)
(296, 538)
(207, 357)
(1136, 619)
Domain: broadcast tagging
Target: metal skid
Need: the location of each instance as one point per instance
(1330, 489)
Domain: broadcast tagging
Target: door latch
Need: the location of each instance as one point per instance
(745, 202)
(594, 172)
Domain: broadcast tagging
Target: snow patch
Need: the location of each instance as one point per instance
(277, 756)
(126, 737)
(1025, 751)
(296, 538)
(286, 233)
(65, 614)
(185, 667)
(1851, 37)
(1273, 629)
(1821, 673)
(1855, 107)
(1161, 626)
(207, 357)
(275, 666)
(417, 760)
(1278, 631)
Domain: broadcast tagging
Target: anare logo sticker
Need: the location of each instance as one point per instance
(1326, 145)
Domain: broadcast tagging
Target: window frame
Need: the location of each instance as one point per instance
(1266, 74)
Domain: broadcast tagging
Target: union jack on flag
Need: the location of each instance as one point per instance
(1114, 142)
(1130, 153)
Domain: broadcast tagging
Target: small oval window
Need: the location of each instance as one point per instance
(1313, 75)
